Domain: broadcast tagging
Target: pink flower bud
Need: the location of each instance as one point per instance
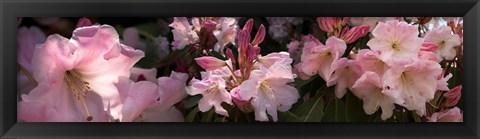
(236, 97)
(243, 39)
(210, 63)
(259, 36)
(345, 20)
(252, 53)
(243, 105)
(84, 22)
(230, 55)
(210, 25)
(448, 115)
(180, 66)
(248, 26)
(428, 46)
(326, 23)
(355, 33)
(344, 31)
(453, 96)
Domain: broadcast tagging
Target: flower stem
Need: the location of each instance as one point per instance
(146, 35)
(27, 74)
(235, 77)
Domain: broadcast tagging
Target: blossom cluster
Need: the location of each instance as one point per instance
(238, 69)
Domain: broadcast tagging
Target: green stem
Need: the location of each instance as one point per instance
(146, 35)
(28, 75)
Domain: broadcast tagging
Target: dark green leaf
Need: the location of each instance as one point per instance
(191, 116)
(354, 109)
(335, 111)
(191, 101)
(299, 82)
(207, 117)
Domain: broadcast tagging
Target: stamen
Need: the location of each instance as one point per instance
(213, 89)
(269, 92)
(78, 88)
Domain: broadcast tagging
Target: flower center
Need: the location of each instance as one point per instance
(266, 88)
(396, 46)
(213, 89)
(79, 89)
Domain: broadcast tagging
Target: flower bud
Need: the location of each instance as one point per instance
(248, 26)
(84, 22)
(355, 33)
(448, 115)
(230, 55)
(210, 63)
(242, 104)
(326, 23)
(453, 96)
(210, 25)
(259, 36)
(428, 46)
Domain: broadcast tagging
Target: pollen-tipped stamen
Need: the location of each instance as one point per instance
(79, 89)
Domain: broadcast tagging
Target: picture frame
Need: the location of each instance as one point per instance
(10, 9)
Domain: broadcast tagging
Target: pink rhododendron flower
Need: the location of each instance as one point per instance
(76, 77)
(297, 69)
(162, 45)
(453, 96)
(27, 39)
(140, 74)
(182, 33)
(293, 47)
(346, 73)
(369, 88)
(449, 115)
(370, 61)
(446, 42)
(226, 34)
(213, 91)
(171, 90)
(316, 59)
(136, 97)
(395, 39)
(442, 82)
(132, 38)
(268, 90)
(412, 83)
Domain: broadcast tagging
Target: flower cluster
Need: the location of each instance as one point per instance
(396, 69)
(260, 82)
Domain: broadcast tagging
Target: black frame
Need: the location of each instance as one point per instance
(10, 9)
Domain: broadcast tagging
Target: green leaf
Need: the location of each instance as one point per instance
(208, 116)
(416, 117)
(191, 101)
(354, 109)
(217, 55)
(191, 116)
(335, 111)
(288, 117)
(220, 119)
(311, 110)
(300, 83)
